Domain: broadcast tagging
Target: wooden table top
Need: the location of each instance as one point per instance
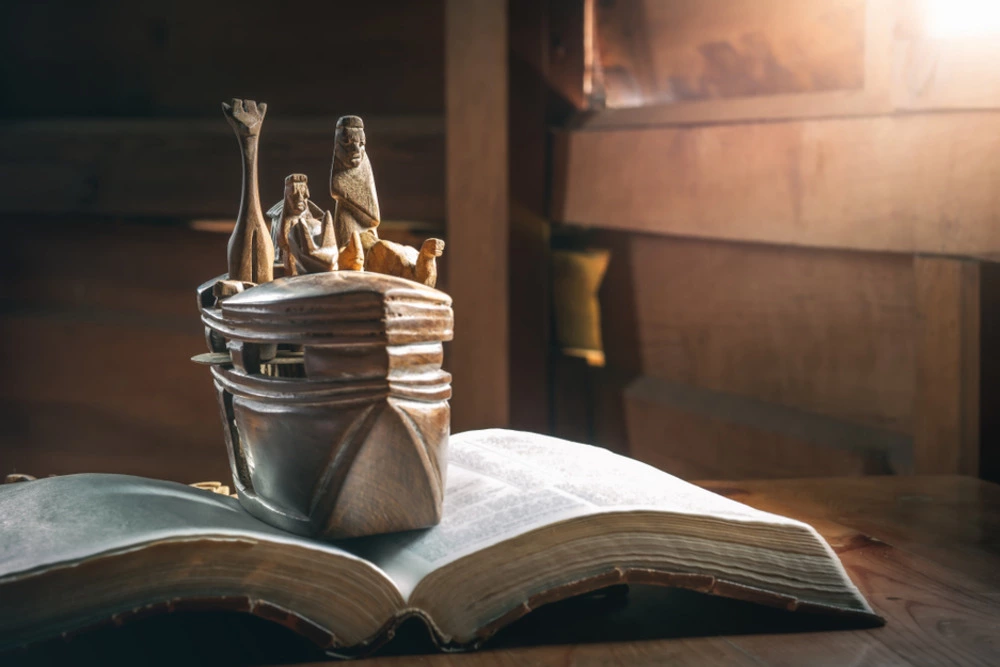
(925, 551)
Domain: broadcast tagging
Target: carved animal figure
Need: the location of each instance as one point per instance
(395, 259)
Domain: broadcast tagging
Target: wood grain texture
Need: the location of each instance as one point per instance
(186, 168)
(946, 411)
(920, 183)
(920, 548)
(333, 389)
(950, 520)
(696, 433)
(477, 208)
(251, 248)
(824, 332)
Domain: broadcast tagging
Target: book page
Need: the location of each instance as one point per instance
(79, 549)
(591, 474)
(503, 483)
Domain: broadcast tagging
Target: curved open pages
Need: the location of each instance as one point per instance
(527, 520)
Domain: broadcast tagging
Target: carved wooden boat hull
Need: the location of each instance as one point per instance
(334, 405)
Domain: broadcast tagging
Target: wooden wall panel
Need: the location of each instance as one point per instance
(922, 183)
(830, 333)
(112, 395)
(191, 169)
(699, 434)
(99, 324)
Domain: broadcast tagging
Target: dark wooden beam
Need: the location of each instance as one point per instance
(476, 117)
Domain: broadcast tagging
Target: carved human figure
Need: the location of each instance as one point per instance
(250, 252)
(304, 234)
(295, 206)
(352, 185)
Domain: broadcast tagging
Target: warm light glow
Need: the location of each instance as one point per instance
(961, 18)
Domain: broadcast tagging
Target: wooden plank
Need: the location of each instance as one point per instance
(142, 272)
(150, 270)
(919, 599)
(946, 410)
(191, 169)
(825, 332)
(99, 324)
(694, 433)
(920, 183)
(477, 209)
(834, 84)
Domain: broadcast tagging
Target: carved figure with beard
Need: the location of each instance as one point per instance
(304, 242)
(295, 206)
(352, 185)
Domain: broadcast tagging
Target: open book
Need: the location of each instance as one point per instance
(528, 520)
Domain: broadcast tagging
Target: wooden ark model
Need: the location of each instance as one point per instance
(329, 380)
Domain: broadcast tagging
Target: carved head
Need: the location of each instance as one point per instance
(296, 193)
(349, 147)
